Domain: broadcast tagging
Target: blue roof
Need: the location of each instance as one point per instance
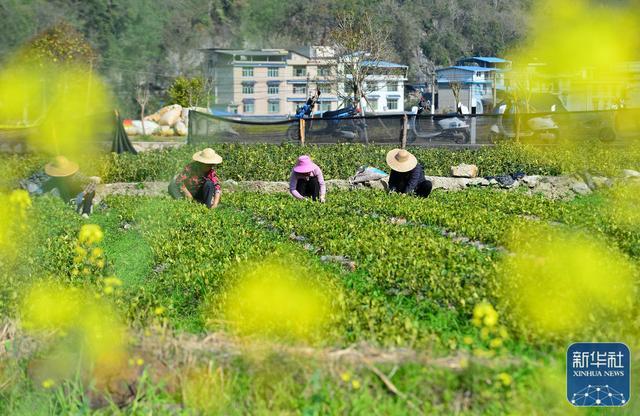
(489, 59)
(468, 68)
(382, 64)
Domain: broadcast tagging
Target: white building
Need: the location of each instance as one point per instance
(478, 77)
(475, 86)
(274, 82)
(384, 89)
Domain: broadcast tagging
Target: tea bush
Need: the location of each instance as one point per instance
(271, 162)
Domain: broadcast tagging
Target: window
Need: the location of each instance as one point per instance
(324, 88)
(247, 71)
(324, 71)
(247, 88)
(249, 107)
(273, 89)
(273, 72)
(299, 89)
(392, 103)
(373, 104)
(274, 106)
(325, 106)
(299, 71)
(392, 86)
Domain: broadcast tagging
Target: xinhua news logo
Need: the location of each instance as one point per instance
(598, 374)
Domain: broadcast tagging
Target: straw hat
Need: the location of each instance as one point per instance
(60, 166)
(400, 160)
(207, 156)
(304, 165)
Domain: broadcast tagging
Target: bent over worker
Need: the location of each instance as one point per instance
(307, 181)
(407, 175)
(199, 181)
(66, 182)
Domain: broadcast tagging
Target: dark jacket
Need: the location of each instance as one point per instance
(65, 187)
(406, 182)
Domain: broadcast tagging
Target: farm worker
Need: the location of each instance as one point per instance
(66, 182)
(305, 110)
(306, 180)
(407, 175)
(199, 181)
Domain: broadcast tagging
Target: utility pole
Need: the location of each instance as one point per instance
(433, 93)
(493, 88)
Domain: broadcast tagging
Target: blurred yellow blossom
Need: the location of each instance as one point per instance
(112, 281)
(505, 379)
(48, 383)
(558, 281)
(20, 198)
(355, 384)
(274, 300)
(88, 329)
(345, 376)
(90, 234)
(484, 314)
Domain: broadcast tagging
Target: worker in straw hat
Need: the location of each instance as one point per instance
(306, 180)
(199, 181)
(407, 175)
(66, 182)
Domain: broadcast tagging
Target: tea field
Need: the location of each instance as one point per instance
(422, 281)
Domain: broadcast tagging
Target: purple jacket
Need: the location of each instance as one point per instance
(293, 181)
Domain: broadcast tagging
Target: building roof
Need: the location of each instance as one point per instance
(250, 52)
(467, 68)
(488, 59)
(382, 64)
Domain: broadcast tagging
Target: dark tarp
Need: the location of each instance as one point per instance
(121, 142)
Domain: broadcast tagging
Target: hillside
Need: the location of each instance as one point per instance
(155, 41)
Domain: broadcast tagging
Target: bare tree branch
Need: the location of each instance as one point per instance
(142, 98)
(359, 48)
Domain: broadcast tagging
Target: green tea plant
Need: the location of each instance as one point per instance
(273, 162)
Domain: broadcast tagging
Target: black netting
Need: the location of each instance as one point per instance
(425, 130)
(206, 128)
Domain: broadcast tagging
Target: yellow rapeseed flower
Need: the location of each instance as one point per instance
(495, 343)
(505, 379)
(112, 281)
(48, 383)
(355, 384)
(346, 376)
(90, 234)
(80, 251)
(274, 300)
(484, 314)
(20, 198)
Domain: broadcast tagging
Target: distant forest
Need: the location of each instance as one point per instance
(157, 40)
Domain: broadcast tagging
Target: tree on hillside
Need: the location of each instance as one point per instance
(188, 92)
(59, 45)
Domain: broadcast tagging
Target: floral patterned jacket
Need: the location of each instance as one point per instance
(193, 179)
